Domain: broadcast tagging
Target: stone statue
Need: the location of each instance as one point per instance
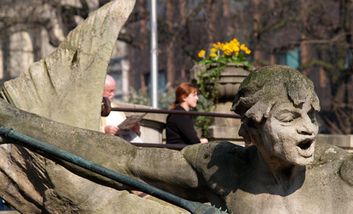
(66, 86)
(282, 170)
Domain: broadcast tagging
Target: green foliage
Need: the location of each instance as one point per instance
(209, 70)
(138, 97)
(165, 98)
(203, 122)
(207, 81)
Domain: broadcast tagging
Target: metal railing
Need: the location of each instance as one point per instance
(160, 111)
(36, 145)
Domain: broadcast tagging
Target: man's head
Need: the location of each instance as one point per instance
(109, 87)
(277, 105)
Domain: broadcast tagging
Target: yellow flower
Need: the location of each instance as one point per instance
(227, 49)
(213, 52)
(218, 45)
(201, 54)
(228, 52)
(234, 41)
(245, 49)
(213, 55)
(235, 44)
(225, 52)
(235, 49)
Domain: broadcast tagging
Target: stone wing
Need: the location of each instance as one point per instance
(67, 85)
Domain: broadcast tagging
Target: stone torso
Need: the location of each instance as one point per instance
(329, 195)
(229, 172)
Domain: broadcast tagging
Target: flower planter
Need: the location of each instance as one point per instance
(219, 82)
(228, 81)
(227, 86)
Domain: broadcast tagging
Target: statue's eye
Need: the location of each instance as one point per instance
(286, 117)
(312, 115)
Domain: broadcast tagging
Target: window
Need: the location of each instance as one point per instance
(290, 58)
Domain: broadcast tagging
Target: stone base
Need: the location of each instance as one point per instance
(225, 133)
(151, 131)
(343, 141)
(225, 107)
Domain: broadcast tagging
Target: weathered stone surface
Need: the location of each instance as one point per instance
(67, 87)
(277, 174)
(69, 81)
(346, 171)
(40, 184)
(220, 165)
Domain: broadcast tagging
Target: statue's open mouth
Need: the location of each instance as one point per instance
(306, 148)
(304, 145)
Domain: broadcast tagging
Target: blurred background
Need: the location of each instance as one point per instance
(314, 37)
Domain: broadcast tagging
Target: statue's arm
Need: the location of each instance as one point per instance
(166, 168)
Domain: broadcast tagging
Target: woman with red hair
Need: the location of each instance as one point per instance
(180, 128)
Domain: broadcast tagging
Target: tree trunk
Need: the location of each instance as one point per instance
(212, 18)
(170, 51)
(228, 28)
(256, 28)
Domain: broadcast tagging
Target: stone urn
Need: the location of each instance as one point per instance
(228, 82)
(227, 86)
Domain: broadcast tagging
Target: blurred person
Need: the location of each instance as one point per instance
(109, 124)
(180, 128)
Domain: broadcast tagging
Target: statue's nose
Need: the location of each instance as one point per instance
(305, 130)
(307, 127)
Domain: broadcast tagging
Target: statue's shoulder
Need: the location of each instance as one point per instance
(346, 170)
(219, 163)
(201, 156)
(339, 160)
(327, 153)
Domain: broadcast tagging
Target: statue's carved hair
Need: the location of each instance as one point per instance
(263, 88)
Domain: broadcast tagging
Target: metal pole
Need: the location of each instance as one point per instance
(154, 52)
(125, 67)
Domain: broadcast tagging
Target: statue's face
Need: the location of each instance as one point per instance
(289, 133)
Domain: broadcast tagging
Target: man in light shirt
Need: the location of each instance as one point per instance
(109, 124)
